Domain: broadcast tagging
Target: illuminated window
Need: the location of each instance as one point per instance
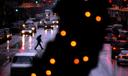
(63, 33)
(76, 61)
(48, 72)
(98, 18)
(73, 43)
(87, 14)
(85, 58)
(52, 61)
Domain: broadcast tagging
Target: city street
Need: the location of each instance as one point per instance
(106, 67)
(22, 44)
(26, 23)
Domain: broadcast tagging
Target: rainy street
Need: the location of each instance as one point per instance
(22, 44)
(106, 67)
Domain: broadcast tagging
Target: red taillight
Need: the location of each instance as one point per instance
(120, 57)
(119, 36)
(114, 48)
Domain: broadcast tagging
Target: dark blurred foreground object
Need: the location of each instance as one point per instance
(75, 50)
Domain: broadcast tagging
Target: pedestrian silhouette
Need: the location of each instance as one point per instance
(39, 42)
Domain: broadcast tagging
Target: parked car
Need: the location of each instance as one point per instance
(117, 47)
(5, 35)
(21, 64)
(122, 58)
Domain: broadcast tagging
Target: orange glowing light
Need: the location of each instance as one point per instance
(98, 18)
(33, 74)
(52, 61)
(85, 58)
(73, 43)
(114, 48)
(63, 33)
(76, 61)
(87, 14)
(48, 72)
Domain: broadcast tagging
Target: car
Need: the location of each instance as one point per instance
(117, 47)
(122, 58)
(22, 63)
(26, 32)
(31, 26)
(55, 20)
(5, 35)
(48, 25)
(48, 13)
(28, 29)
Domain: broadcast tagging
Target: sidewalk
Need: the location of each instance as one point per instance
(104, 67)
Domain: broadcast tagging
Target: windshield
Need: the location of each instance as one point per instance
(22, 59)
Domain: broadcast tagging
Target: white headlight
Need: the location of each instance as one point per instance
(33, 28)
(23, 25)
(8, 36)
(40, 22)
(30, 31)
(23, 31)
(53, 21)
(57, 21)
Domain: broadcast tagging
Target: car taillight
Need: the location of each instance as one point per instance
(119, 36)
(120, 57)
(114, 48)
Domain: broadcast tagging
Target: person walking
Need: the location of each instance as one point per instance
(39, 42)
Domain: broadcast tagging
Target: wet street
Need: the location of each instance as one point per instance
(22, 44)
(106, 67)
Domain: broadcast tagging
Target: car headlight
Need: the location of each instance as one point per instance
(33, 28)
(30, 31)
(57, 21)
(24, 25)
(23, 31)
(33, 74)
(40, 22)
(53, 21)
(8, 36)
